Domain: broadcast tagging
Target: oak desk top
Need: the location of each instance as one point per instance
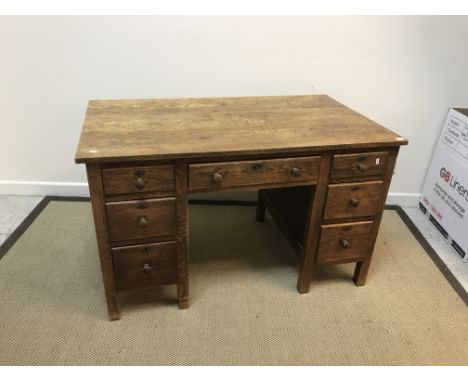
(122, 130)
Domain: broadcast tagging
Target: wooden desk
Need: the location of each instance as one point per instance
(322, 170)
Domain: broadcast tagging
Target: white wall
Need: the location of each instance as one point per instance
(403, 72)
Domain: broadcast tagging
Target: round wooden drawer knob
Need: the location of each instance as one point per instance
(296, 171)
(147, 268)
(354, 202)
(139, 183)
(344, 244)
(142, 222)
(217, 177)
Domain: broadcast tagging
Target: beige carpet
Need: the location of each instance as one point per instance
(244, 306)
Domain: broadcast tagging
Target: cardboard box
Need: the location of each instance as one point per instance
(444, 198)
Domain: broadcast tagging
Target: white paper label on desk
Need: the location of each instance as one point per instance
(377, 161)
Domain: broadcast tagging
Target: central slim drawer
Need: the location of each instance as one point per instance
(146, 218)
(208, 176)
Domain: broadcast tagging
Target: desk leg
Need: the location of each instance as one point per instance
(312, 233)
(181, 179)
(103, 241)
(260, 212)
(360, 273)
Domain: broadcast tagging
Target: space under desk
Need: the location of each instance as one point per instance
(321, 169)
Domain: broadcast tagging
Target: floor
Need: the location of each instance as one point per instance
(452, 260)
(244, 307)
(14, 209)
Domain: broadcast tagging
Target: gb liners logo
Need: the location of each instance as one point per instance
(453, 182)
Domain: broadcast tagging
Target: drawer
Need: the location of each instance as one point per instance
(146, 218)
(210, 176)
(341, 242)
(140, 266)
(129, 180)
(358, 165)
(349, 200)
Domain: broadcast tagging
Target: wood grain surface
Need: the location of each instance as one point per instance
(350, 200)
(138, 179)
(146, 218)
(301, 170)
(358, 165)
(142, 266)
(182, 234)
(345, 241)
(123, 130)
(103, 241)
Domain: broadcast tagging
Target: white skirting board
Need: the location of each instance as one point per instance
(403, 199)
(8, 187)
